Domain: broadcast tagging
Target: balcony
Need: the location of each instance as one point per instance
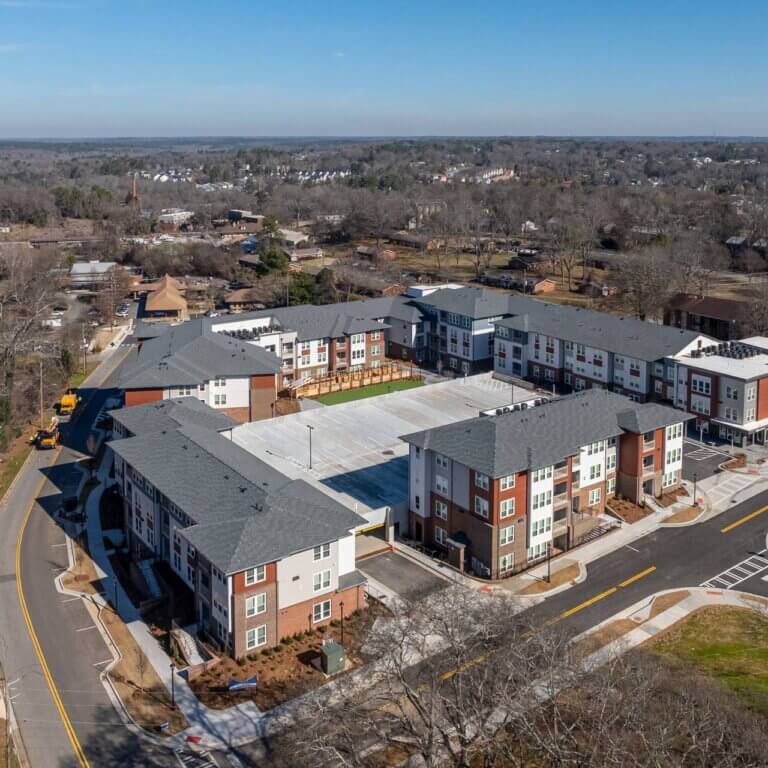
(560, 526)
(561, 471)
(561, 500)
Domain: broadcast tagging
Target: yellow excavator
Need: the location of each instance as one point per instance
(68, 403)
(46, 438)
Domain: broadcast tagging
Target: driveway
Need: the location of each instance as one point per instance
(402, 576)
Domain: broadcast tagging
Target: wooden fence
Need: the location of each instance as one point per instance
(343, 381)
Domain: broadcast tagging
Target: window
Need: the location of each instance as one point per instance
(219, 399)
(732, 393)
(507, 508)
(675, 431)
(321, 611)
(441, 510)
(441, 484)
(610, 461)
(545, 473)
(375, 350)
(594, 471)
(441, 536)
(611, 486)
(375, 335)
(256, 604)
(751, 391)
(441, 461)
(219, 381)
(700, 385)
(506, 562)
(481, 481)
(594, 497)
(507, 482)
(255, 575)
(481, 506)
(749, 414)
(255, 637)
(418, 502)
(506, 535)
(542, 499)
(675, 455)
(321, 580)
(594, 448)
(321, 552)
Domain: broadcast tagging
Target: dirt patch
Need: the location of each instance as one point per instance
(627, 511)
(137, 684)
(663, 603)
(684, 515)
(82, 576)
(12, 460)
(7, 753)
(605, 635)
(285, 671)
(739, 461)
(562, 576)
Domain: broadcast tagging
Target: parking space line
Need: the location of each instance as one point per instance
(85, 629)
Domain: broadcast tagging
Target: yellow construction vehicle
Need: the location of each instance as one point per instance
(68, 403)
(47, 438)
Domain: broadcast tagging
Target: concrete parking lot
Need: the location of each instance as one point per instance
(402, 576)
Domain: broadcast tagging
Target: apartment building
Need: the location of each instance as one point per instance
(725, 385)
(311, 341)
(579, 349)
(190, 360)
(263, 556)
(498, 492)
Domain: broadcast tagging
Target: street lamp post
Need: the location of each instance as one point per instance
(173, 686)
(311, 429)
(117, 610)
(341, 605)
(695, 477)
(549, 550)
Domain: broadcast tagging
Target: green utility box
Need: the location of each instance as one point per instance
(332, 658)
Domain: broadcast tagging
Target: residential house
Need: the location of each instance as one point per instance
(724, 319)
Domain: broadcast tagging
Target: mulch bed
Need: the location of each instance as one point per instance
(627, 511)
(285, 671)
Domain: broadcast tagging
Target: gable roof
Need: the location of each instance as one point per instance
(190, 353)
(621, 335)
(477, 303)
(245, 512)
(544, 435)
(731, 310)
(170, 414)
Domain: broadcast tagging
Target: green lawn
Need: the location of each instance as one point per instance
(375, 389)
(80, 375)
(729, 644)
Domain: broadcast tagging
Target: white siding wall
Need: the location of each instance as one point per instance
(542, 486)
(236, 390)
(292, 590)
(418, 481)
(346, 554)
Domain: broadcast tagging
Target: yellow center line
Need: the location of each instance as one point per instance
(587, 603)
(743, 520)
(79, 754)
(637, 576)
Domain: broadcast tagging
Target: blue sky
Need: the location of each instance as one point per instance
(75, 68)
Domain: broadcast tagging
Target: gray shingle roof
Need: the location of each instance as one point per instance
(478, 303)
(190, 353)
(170, 414)
(620, 335)
(544, 435)
(246, 513)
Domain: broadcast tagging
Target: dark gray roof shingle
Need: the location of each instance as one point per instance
(544, 435)
(621, 335)
(190, 353)
(170, 414)
(245, 512)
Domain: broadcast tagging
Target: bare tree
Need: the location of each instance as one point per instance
(645, 280)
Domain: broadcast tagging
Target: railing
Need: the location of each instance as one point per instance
(560, 499)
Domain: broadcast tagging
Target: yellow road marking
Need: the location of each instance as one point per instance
(637, 576)
(82, 760)
(587, 603)
(744, 519)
